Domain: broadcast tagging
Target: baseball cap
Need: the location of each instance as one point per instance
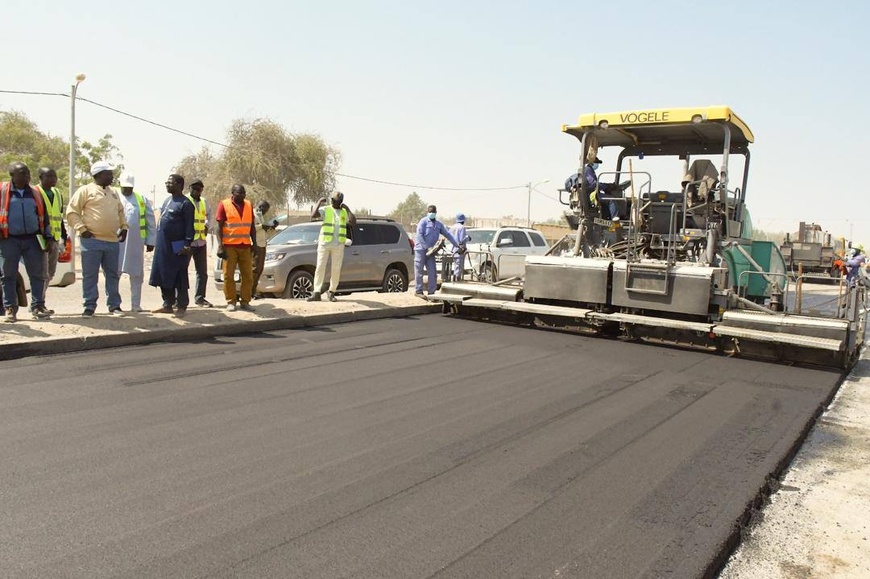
(127, 180)
(101, 166)
(196, 182)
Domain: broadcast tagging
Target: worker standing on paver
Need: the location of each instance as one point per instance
(96, 214)
(429, 230)
(140, 216)
(25, 234)
(237, 235)
(201, 223)
(54, 208)
(461, 234)
(172, 252)
(337, 217)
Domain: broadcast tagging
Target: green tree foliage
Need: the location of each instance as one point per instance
(409, 211)
(21, 140)
(272, 163)
(89, 153)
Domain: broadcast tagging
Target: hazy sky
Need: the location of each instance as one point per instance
(462, 94)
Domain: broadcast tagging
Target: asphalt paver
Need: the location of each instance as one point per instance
(414, 447)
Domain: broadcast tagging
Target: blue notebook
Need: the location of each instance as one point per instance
(177, 246)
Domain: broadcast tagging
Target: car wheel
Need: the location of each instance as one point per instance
(488, 273)
(300, 285)
(394, 282)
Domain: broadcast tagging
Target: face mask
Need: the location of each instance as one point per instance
(595, 166)
(432, 216)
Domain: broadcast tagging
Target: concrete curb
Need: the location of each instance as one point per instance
(199, 333)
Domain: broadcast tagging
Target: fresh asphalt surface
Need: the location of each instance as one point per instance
(392, 448)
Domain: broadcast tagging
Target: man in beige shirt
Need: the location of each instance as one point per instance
(96, 213)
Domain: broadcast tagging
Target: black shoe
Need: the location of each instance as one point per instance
(116, 311)
(40, 313)
(11, 316)
(315, 297)
(88, 313)
(204, 303)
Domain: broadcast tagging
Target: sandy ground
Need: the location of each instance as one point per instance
(818, 523)
(67, 304)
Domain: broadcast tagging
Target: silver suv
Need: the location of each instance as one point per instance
(380, 259)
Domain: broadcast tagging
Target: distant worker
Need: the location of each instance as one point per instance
(54, 208)
(140, 217)
(172, 252)
(855, 264)
(25, 234)
(95, 212)
(263, 229)
(461, 235)
(429, 230)
(593, 187)
(202, 222)
(237, 235)
(337, 218)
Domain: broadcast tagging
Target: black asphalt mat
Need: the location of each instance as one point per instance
(391, 448)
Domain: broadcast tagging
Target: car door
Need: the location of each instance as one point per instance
(357, 258)
(539, 244)
(511, 262)
(390, 249)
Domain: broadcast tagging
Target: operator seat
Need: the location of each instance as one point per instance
(700, 181)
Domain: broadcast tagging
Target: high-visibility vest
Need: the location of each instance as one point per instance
(5, 190)
(198, 218)
(327, 230)
(55, 210)
(237, 229)
(143, 224)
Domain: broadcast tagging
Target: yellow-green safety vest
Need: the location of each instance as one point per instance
(327, 229)
(54, 210)
(143, 224)
(198, 218)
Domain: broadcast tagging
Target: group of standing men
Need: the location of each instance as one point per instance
(32, 228)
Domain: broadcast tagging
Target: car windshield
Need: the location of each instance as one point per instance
(481, 235)
(297, 235)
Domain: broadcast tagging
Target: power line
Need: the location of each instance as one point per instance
(34, 93)
(433, 188)
(224, 145)
(155, 123)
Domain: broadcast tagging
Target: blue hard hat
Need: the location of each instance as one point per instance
(460, 217)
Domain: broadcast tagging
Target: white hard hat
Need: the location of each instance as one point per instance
(127, 180)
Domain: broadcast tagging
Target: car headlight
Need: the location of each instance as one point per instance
(274, 256)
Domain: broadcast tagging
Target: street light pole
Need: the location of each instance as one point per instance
(529, 205)
(72, 134)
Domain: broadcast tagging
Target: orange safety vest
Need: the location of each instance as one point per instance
(237, 228)
(5, 190)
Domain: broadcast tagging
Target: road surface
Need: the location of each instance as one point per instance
(430, 447)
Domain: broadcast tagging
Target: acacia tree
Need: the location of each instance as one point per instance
(409, 211)
(273, 164)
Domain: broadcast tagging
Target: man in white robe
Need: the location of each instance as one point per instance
(141, 239)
